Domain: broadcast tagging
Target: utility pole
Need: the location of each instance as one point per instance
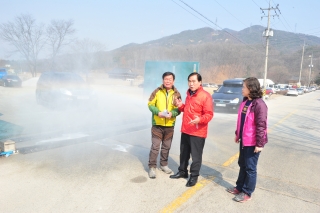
(301, 62)
(310, 66)
(267, 33)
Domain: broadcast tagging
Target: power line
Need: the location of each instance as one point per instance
(214, 23)
(256, 3)
(192, 14)
(230, 13)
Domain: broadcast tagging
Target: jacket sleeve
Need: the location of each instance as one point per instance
(207, 110)
(152, 104)
(175, 112)
(260, 114)
(181, 109)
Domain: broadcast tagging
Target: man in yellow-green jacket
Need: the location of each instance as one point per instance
(164, 112)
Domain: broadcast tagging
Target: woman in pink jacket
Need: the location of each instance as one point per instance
(251, 134)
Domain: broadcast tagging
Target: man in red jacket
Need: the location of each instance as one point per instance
(197, 112)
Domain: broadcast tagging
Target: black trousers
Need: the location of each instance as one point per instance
(191, 145)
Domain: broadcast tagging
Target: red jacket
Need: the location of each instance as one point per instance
(199, 104)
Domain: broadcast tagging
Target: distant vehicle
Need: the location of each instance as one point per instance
(205, 85)
(313, 89)
(292, 91)
(121, 73)
(10, 81)
(269, 91)
(229, 95)
(269, 84)
(3, 72)
(213, 85)
(282, 91)
(300, 91)
(304, 88)
(59, 89)
(307, 90)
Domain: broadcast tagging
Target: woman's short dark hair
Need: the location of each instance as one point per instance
(254, 87)
(168, 73)
(199, 78)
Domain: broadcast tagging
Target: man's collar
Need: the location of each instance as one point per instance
(162, 87)
(192, 92)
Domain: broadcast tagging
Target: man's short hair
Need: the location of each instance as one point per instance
(199, 78)
(168, 73)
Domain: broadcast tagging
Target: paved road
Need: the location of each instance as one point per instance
(96, 161)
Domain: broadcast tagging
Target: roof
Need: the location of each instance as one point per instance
(234, 81)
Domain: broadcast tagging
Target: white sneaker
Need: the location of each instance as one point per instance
(152, 173)
(166, 169)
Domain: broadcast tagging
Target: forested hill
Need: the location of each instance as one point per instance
(226, 53)
(283, 41)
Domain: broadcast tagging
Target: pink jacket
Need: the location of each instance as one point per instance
(255, 125)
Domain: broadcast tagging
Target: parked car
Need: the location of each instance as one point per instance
(3, 72)
(304, 88)
(269, 91)
(213, 85)
(229, 95)
(205, 85)
(292, 91)
(283, 91)
(300, 91)
(313, 89)
(10, 81)
(60, 89)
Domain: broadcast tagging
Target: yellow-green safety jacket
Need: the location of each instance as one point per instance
(161, 100)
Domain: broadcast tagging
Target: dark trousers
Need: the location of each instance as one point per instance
(247, 162)
(191, 145)
(160, 136)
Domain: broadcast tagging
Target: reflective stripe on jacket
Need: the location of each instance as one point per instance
(199, 104)
(255, 125)
(159, 101)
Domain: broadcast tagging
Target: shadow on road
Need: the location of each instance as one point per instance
(214, 175)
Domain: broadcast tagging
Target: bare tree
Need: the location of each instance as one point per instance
(86, 53)
(26, 37)
(58, 33)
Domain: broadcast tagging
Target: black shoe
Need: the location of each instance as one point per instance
(192, 181)
(179, 175)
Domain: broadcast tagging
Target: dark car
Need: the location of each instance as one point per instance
(59, 89)
(10, 81)
(229, 95)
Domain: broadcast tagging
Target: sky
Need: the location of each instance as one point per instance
(119, 22)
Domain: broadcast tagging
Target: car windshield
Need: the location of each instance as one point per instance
(67, 80)
(237, 89)
(12, 77)
(72, 79)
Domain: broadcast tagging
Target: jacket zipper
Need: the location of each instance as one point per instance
(167, 95)
(245, 123)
